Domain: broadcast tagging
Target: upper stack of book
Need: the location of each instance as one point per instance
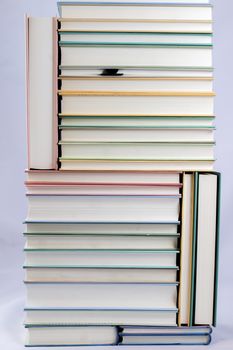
(123, 218)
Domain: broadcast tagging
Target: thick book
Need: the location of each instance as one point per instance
(101, 208)
(116, 55)
(83, 241)
(70, 335)
(136, 10)
(100, 103)
(41, 72)
(101, 295)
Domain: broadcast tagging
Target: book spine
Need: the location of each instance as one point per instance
(194, 250)
(217, 248)
(55, 91)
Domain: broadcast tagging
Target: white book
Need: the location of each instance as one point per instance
(137, 134)
(138, 121)
(118, 177)
(132, 25)
(136, 37)
(143, 72)
(75, 274)
(103, 55)
(206, 249)
(101, 317)
(195, 330)
(186, 249)
(178, 339)
(169, 165)
(66, 241)
(101, 258)
(101, 208)
(101, 296)
(40, 93)
(137, 150)
(123, 103)
(92, 189)
(58, 335)
(137, 83)
(121, 228)
(142, 11)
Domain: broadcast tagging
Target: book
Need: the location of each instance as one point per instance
(165, 330)
(140, 335)
(70, 133)
(71, 335)
(206, 249)
(114, 258)
(101, 295)
(78, 316)
(137, 151)
(135, 10)
(109, 55)
(99, 177)
(131, 71)
(135, 83)
(83, 241)
(99, 274)
(168, 339)
(138, 25)
(186, 249)
(100, 208)
(50, 188)
(137, 121)
(105, 228)
(115, 37)
(133, 104)
(129, 164)
(41, 66)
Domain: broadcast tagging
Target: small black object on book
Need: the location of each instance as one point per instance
(111, 72)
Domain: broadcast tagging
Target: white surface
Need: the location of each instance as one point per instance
(13, 162)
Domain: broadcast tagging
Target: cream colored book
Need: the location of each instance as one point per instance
(136, 83)
(136, 103)
(137, 55)
(46, 316)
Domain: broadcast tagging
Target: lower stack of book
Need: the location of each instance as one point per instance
(109, 335)
(105, 257)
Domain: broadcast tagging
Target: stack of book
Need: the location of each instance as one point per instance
(123, 203)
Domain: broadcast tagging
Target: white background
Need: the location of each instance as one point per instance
(13, 163)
